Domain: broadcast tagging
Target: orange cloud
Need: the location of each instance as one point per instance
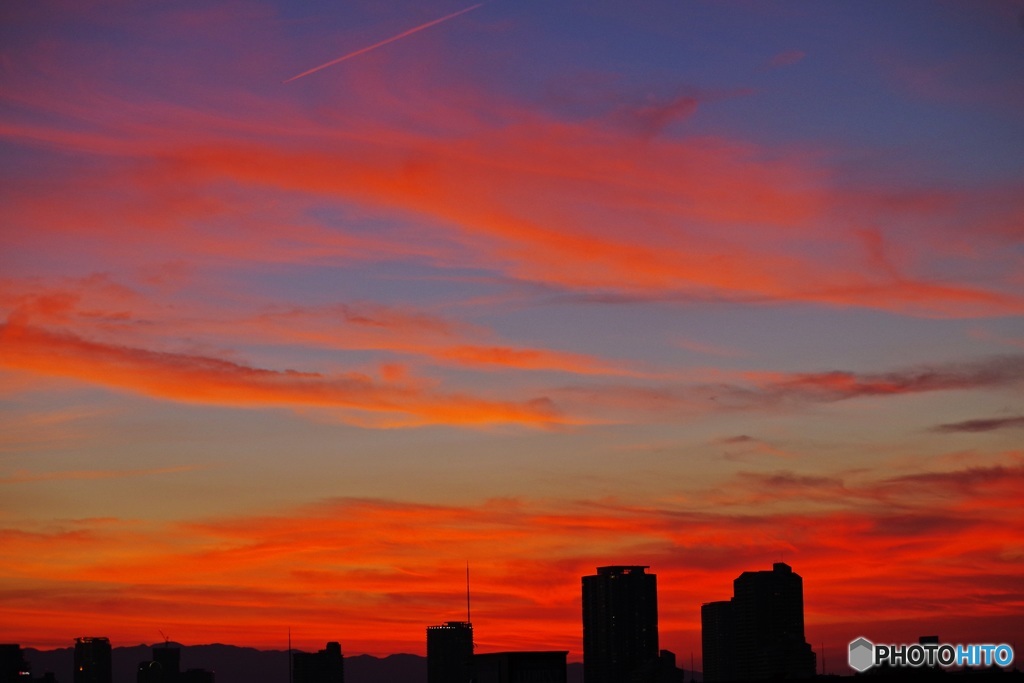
(897, 548)
(581, 206)
(99, 306)
(198, 379)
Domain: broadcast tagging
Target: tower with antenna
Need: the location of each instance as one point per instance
(450, 647)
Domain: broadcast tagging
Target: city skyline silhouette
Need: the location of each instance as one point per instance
(305, 305)
(756, 635)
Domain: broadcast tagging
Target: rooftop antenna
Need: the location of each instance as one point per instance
(167, 640)
(823, 658)
(469, 616)
(291, 669)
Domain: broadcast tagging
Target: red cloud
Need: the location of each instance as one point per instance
(884, 550)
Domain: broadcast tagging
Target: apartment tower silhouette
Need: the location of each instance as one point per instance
(620, 625)
(93, 660)
(759, 633)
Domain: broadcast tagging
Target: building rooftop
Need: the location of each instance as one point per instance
(623, 569)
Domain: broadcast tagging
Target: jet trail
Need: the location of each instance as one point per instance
(392, 39)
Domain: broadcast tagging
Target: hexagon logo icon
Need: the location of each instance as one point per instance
(862, 654)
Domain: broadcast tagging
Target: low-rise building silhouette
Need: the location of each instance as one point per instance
(668, 672)
(323, 666)
(13, 667)
(759, 633)
(520, 667)
(165, 667)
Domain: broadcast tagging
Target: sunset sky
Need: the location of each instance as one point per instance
(536, 285)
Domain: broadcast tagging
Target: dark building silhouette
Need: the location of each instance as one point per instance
(151, 672)
(520, 667)
(620, 625)
(324, 666)
(169, 658)
(717, 641)
(165, 667)
(13, 667)
(92, 660)
(668, 672)
(759, 633)
(450, 652)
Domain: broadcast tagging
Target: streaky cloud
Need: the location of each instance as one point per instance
(23, 477)
(759, 390)
(841, 384)
(387, 41)
(197, 379)
(965, 481)
(787, 58)
(980, 425)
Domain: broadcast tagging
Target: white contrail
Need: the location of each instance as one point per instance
(392, 39)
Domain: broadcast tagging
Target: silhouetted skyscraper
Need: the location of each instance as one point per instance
(759, 634)
(92, 660)
(325, 666)
(450, 652)
(620, 625)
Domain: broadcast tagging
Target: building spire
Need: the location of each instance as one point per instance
(469, 616)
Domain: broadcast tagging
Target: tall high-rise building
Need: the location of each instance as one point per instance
(620, 625)
(92, 660)
(759, 633)
(450, 652)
